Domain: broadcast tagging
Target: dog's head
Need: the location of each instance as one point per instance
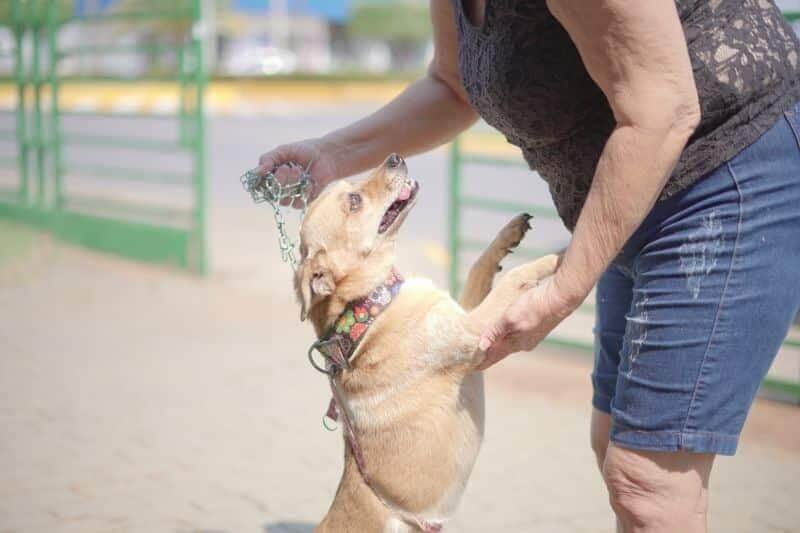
(347, 236)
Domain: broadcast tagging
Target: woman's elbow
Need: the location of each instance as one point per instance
(665, 113)
(666, 121)
(687, 116)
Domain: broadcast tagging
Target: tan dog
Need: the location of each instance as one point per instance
(414, 400)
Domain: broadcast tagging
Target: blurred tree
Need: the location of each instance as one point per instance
(171, 28)
(35, 9)
(404, 26)
(393, 22)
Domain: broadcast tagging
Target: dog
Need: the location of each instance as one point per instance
(409, 398)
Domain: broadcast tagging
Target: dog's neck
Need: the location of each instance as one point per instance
(349, 288)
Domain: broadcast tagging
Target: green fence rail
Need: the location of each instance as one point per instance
(459, 201)
(112, 222)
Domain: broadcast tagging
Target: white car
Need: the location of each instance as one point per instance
(251, 59)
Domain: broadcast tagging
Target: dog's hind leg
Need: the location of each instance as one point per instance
(481, 275)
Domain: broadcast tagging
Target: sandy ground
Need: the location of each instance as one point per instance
(138, 399)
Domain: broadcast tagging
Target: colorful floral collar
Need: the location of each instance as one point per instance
(341, 340)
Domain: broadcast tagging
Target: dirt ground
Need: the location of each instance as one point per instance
(140, 399)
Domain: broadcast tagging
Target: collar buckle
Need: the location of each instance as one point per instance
(334, 354)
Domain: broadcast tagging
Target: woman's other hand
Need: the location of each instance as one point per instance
(526, 322)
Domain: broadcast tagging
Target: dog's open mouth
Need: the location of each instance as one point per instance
(406, 196)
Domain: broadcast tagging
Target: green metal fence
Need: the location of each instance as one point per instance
(127, 216)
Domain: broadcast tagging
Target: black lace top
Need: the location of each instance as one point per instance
(524, 76)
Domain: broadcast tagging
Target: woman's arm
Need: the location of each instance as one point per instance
(636, 53)
(430, 112)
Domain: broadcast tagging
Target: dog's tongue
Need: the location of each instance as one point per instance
(405, 192)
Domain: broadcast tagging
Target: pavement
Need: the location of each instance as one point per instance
(140, 399)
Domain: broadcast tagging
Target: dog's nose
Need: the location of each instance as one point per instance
(394, 161)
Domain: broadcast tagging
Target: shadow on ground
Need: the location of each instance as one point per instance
(289, 527)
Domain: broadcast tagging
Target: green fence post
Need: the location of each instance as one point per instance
(39, 135)
(199, 145)
(19, 74)
(55, 126)
(453, 214)
(183, 136)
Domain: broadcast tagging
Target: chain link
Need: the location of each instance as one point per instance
(268, 189)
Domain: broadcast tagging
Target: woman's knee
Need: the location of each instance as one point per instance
(633, 495)
(657, 491)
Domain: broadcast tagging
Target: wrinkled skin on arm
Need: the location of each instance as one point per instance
(636, 53)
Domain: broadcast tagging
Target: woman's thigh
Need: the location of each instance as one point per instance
(713, 286)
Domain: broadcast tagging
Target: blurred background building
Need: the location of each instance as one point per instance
(256, 37)
(250, 38)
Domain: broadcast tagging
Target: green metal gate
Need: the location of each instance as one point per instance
(132, 214)
(787, 384)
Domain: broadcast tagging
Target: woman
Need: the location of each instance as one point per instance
(667, 132)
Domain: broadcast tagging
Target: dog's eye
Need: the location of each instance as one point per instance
(355, 201)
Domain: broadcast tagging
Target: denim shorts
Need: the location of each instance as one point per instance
(692, 312)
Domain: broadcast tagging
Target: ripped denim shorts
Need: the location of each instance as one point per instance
(692, 312)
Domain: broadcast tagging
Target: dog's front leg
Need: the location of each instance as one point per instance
(510, 286)
(481, 275)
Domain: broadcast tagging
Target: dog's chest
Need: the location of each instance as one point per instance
(425, 392)
(420, 337)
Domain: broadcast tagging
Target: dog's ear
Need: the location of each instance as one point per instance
(313, 282)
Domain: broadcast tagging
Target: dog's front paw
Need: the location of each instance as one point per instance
(513, 232)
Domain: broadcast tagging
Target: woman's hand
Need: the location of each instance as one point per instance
(313, 154)
(528, 320)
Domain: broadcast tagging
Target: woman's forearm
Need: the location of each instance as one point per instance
(427, 114)
(636, 53)
(632, 170)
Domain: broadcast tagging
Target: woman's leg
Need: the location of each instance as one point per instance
(612, 303)
(599, 431)
(715, 288)
(658, 491)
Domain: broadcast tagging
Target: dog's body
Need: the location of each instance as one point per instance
(415, 402)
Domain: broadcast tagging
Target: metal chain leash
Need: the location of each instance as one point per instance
(268, 189)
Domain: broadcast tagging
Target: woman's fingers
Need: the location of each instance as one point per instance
(526, 322)
(283, 169)
(492, 355)
(494, 334)
(494, 343)
(505, 346)
(510, 334)
(278, 159)
(268, 161)
(501, 349)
